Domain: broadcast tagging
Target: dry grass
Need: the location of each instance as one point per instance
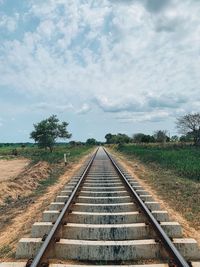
(182, 194)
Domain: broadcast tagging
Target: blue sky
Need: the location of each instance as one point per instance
(103, 66)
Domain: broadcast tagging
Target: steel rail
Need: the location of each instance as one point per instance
(41, 255)
(169, 246)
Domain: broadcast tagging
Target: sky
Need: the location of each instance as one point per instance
(104, 66)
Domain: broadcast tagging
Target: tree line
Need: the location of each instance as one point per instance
(46, 133)
(159, 136)
(187, 125)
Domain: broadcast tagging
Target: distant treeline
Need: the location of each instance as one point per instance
(27, 144)
(90, 141)
(159, 136)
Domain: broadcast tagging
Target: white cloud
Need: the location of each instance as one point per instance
(84, 109)
(9, 23)
(153, 116)
(129, 58)
(119, 105)
(53, 107)
(147, 103)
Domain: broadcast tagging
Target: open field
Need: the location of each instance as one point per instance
(172, 173)
(184, 161)
(35, 154)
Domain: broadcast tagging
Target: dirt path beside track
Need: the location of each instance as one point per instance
(28, 211)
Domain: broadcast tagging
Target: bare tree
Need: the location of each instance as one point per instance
(190, 125)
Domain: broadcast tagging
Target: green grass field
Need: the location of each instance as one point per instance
(35, 154)
(185, 161)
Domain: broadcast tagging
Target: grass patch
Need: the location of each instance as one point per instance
(35, 154)
(56, 156)
(5, 251)
(56, 172)
(54, 159)
(181, 193)
(184, 161)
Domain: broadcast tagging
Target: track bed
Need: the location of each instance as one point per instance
(97, 219)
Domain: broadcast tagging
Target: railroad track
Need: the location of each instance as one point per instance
(103, 216)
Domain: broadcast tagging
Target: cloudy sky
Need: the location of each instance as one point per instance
(103, 66)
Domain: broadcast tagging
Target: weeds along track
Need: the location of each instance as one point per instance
(104, 217)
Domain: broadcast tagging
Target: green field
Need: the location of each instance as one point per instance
(185, 161)
(35, 154)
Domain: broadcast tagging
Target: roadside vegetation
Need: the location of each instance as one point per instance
(35, 154)
(180, 154)
(180, 193)
(183, 160)
(169, 164)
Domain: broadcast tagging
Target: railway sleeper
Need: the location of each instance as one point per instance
(104, 218)
(103, 180)
(103, 184)
(103, 200)
(115, 207)
(23, 264)
(100, 188)
(108, 250)
(110, 199)
(103, 193)
(107, 231)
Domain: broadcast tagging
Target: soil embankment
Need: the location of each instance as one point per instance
(18, 216)
(18, 178)
(9, 169)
